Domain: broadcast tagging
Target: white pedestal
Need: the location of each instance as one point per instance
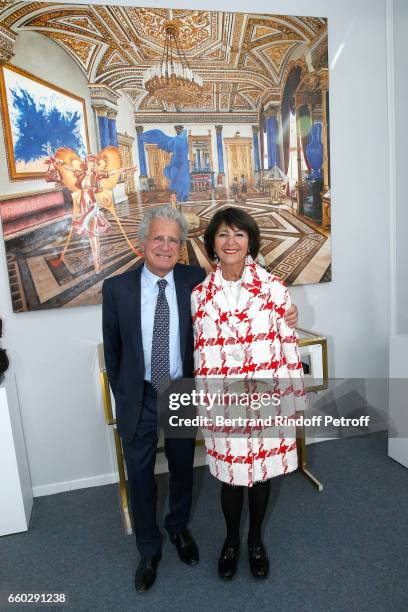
(398, 407)
(16, 499)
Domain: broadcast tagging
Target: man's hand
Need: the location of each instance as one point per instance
(291, 316)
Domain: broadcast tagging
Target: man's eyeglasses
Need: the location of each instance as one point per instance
(172, 242)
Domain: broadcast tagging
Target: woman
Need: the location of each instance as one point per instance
(240, 332)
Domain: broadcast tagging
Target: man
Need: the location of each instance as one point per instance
(148, 340)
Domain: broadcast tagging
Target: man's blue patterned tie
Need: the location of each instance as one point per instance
(160, 363)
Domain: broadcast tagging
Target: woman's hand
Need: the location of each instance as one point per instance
(291, 316)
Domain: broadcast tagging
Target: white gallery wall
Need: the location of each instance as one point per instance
(53, 352)
(398, 446)
(400, 270)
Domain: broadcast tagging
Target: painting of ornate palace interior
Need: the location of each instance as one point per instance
(108, 111)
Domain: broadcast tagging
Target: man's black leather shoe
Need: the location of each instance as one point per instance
(258, 561)
(146, 573)
(186, 547)
(228, 561)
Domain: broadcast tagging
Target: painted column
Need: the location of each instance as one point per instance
(221, 172)
(255, 140)
(326, 196)
(262, 136)
(299, 183)
(144, 185)
(280, 140)
(199, 160)
(113, 136)
(103, 126)
(104, 101)
(141, 151)
(271, 135)
(324, 80)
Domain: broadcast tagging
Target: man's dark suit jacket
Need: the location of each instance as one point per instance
(122, 338)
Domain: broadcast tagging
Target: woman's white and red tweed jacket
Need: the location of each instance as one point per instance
(252, 343)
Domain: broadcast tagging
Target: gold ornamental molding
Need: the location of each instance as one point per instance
(105, 111)
(233, 118)
(298, 63)
(103, 99)
(271, 111)
(319, 51)
(7, 40)
(125, 139)
(324, 78)
(310, 82)
(83, 51)
(5, 4)
(120, 77)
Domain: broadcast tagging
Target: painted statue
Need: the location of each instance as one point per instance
(177, 171)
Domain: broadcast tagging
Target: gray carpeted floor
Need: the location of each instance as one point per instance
(344, 549)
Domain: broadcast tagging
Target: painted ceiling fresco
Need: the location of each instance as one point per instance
(242, 58)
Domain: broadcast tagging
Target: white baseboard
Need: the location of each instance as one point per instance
(314, 440)
(72, 485)
(106, 479)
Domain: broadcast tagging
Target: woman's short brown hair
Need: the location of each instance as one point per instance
(235, 218)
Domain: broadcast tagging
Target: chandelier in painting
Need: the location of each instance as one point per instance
(172, 80)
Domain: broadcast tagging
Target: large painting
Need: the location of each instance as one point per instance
(38, 118)
(195, 109)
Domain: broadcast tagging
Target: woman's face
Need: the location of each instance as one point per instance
(231, 245)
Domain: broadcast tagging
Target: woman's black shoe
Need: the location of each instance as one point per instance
(228, 561)
(258, 561)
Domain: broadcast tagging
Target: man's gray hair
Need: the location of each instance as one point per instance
(162, 212)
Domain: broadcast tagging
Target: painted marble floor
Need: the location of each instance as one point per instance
(293, 247)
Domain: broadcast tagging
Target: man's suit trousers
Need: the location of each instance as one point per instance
(140, 456)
